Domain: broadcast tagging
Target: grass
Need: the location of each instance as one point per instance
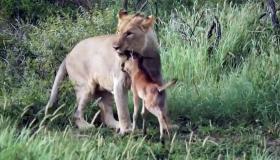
(226, 103)
(207, 142)
(236, 81)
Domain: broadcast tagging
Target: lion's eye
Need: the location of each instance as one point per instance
(129, 34)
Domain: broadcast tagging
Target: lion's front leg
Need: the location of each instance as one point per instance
(121, 99)
(105, 105)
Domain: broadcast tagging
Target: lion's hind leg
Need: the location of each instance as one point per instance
(83, 95)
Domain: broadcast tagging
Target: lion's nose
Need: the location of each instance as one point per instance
(116, 47)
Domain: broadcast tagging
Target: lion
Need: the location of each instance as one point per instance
(94, 68)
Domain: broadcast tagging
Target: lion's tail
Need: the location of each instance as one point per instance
(61, 73)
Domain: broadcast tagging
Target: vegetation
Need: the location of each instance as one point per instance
(227, 101)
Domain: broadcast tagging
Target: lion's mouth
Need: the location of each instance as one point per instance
(130, 53)
(127, 53)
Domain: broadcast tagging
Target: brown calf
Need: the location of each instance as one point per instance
(150, 92)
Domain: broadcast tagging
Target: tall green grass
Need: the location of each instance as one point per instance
(239, 82)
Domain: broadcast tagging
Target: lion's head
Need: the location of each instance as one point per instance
(133, 32)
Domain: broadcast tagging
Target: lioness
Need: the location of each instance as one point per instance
(94, 67)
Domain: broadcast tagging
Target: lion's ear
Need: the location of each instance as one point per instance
(122, 13)
(148, 22)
